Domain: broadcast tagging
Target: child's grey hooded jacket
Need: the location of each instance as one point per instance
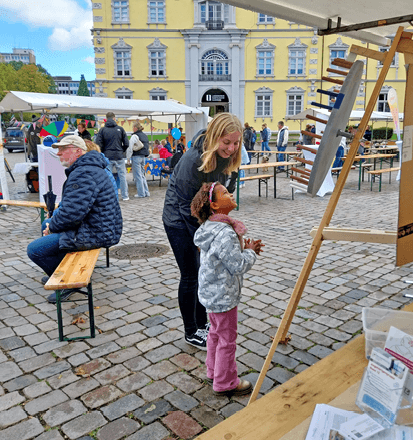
(223, 264)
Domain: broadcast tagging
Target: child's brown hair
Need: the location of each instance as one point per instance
(200, 205)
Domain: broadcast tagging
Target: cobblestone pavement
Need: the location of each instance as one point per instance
(138, 379)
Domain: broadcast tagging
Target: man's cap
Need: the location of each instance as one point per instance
(110, 115)
(76, 141)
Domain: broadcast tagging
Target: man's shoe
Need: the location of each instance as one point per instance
(209, 381)
(244, 387)
(126, 199)
(64, 295)
(198, 339)
(44, 279)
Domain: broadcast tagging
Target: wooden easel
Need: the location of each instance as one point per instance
(402, 43)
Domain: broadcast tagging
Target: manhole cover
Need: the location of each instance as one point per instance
(137, 251)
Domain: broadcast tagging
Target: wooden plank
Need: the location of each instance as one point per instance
(357, 235)
(405, 46)
(308, 162)
(382, 171)
(259, 176)
(75, 270)
(265, 165)
(332, 80)
(302, 179)
(24, 203)
(281, 410)
(314, 118)
(311, 150)
(342, 63)
(368, 53)
(338, 72)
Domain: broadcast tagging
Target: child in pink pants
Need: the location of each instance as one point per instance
(225, 257)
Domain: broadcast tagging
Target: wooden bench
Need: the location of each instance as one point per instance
(336, 171)
(379, 174)
(261, 178)
(74, 272)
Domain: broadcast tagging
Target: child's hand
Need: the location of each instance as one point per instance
(255, 245)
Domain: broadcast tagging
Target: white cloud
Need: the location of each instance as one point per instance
(70, 22)
(89, 60)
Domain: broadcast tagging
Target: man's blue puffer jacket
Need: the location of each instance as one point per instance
(89, 215)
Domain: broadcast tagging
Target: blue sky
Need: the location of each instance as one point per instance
(57, 30)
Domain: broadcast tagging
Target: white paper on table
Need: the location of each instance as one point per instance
(326, 418)
(396, 432)
(381, 388)
(361, 427)
(400, 345)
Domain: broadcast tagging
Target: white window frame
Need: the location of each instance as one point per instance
(295, 92)
(227, 12)
(382, 100)
(121, 5)
(265, 19)
(336, 47)
(160, 5)
(125, 50)
(265, 52)
(123, 93)
(212, 61)
(293, 49)
(158, 61)
(395, 60)
(123, 57)
(263, 103)
(158, 94)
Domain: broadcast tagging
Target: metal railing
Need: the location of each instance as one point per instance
(214, 77)
(214, 25)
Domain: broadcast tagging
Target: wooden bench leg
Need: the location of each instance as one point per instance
(89, 294)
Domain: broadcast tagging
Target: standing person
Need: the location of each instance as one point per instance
(282, 141)
(138, 150)
(113, 142)
(33, 138)
(215, 155)
(307, 139)
(225, 257)
(247, 139)
(83, 132)
(167, 145)
(265, 138)
(89, 216)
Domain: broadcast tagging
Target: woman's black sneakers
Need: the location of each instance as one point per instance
(198, 339)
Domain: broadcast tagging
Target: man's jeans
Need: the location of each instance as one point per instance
(264, 146)
(138, 169)
(121, 170)
(45, 253)
(281, 156)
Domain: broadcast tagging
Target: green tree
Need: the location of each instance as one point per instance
(17, 65)
(7, 79)
(83, 89)
(52, 86)
(30, 79)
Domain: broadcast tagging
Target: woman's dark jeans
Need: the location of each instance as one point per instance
(187, 256)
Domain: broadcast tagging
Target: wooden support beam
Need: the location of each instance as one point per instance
(309, 133)
(338, 72)
(332, 80)
(342, 63)
(300, 159)
(311, 150)
(301, 171)
(357, 235)
(368, 53)
(405, 46)
(300, 179)
(314, 118)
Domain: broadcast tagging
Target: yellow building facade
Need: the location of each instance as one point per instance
(206, 53)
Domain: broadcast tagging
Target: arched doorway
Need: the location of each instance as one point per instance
(217, 101)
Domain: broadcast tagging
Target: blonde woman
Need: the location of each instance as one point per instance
(214, 157)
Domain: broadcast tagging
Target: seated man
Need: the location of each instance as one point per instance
(89, 215)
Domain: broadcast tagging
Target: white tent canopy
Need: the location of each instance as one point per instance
(315, 13)
(37, 102)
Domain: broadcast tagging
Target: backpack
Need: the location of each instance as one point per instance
(254, 137)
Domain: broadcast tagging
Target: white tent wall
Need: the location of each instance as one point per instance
(194, 123)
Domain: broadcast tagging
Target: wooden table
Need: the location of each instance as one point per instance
(287, 153)
(274, 165)
(278, 412)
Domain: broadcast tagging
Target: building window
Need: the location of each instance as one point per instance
(263, 102)
(265, 59)
(265, 19)
(214, 14)
(215, 66)
(296, 62)
(382, 103)
(123, 59)
(338, 50)
(156, 12)
(157, 94)
(394, 60)
(295, 101)
(123, 93)
(120, 11)
(157, 56)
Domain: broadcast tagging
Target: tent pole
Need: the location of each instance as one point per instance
(3, 180)
(151, 132)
